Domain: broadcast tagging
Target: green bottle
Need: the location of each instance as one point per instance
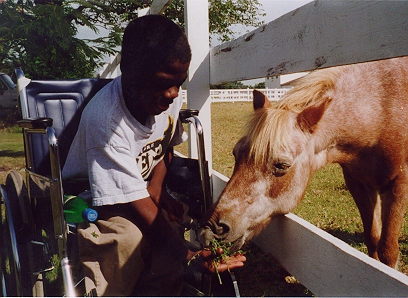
(76, 210)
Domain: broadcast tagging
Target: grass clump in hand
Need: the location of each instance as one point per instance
(221, 251)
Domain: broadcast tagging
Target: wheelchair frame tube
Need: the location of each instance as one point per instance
(61, 232)
(56, 190)
(204, 173)
(67, 278)
(22, 92)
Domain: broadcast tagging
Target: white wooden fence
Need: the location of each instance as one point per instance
(232, 95)
(317, 35)
(235, 95)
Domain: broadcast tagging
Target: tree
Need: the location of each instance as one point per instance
(223, 15)
(41, 35)
(230, 85)
(260, 85)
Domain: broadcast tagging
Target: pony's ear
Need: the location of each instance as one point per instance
(260, 100)
(309, 117)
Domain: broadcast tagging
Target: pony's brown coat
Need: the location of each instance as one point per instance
(354, 115)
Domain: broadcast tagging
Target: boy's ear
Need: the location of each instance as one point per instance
(260, 100)
(309, 117)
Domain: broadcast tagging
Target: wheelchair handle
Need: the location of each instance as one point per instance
(187, 113)
(35, 123)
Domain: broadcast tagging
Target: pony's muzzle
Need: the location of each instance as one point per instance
(205, 235)
(212, 230)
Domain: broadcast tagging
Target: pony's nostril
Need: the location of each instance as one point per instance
(212, 230)
(222, 228)
(216, 227)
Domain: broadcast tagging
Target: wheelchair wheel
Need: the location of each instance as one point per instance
(16, 276)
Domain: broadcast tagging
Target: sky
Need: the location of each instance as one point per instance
(277, 8)
(273, 9)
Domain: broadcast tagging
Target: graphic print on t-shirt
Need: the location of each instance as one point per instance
(155, 150)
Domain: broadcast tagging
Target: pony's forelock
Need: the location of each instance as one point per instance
(310, 90)
(268, 131)
(268, 134)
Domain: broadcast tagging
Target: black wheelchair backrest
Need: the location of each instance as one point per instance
(61, 100)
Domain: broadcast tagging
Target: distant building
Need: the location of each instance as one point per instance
(273, 82)
(283, 80)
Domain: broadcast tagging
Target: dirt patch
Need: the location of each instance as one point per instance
(261, 276)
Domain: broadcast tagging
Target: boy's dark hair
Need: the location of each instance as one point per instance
(151, 42)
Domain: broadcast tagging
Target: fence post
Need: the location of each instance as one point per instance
(198, 83)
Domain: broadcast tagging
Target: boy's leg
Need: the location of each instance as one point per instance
(162, 275)
(118, 261)
(110, 251)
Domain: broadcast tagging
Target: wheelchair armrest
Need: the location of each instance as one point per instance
(187, 113)
(35, 123)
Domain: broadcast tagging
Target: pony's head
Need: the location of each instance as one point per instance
(272, 166)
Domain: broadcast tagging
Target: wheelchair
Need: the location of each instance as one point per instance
(39, 251)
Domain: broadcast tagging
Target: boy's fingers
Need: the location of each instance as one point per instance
(231, 263)
(225, 267)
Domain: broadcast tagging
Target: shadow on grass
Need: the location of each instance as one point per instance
(10, 153)
(354, 239)
(342, 187)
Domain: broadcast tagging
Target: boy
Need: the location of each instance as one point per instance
(123, 143)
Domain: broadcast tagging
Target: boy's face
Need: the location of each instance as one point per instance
(164, 87)
(157, 91)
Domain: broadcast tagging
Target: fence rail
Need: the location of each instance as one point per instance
(233, 95)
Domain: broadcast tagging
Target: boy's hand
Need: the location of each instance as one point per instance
(205, 262)
(229, 262)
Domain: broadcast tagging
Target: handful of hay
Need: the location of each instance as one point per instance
(221, 251)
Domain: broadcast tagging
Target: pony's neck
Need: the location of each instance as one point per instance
(319, 160)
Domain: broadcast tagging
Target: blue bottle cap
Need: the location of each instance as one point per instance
(90, 214)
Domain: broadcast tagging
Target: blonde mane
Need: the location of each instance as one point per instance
(268, 132)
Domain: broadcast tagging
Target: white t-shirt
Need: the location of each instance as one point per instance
(115, 151)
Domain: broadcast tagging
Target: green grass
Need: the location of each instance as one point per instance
(227, 123)
(11, 151)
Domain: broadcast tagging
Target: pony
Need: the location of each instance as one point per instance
(353, 115)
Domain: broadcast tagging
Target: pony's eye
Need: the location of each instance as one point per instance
(281, 168)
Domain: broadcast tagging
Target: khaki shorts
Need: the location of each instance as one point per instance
(119, 261)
